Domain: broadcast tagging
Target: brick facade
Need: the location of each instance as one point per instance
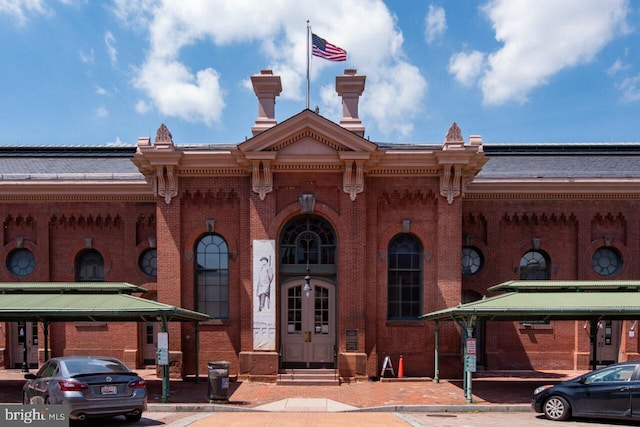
(368, 194)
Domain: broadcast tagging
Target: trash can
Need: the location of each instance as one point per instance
(218, 380)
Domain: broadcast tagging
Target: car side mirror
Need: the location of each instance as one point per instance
(582, 380)
(30, 376)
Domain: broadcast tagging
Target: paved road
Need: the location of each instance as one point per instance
(353, 419)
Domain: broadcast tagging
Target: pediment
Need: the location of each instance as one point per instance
(307, 134)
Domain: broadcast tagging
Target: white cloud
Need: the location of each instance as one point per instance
(176, 92)
(117, 143)
(87, 57)
(19, 9)
(102, 112)
(540, 41)
(435, 24)
(466, 67)
(630, 88)
(109, 41)
(142, 107)
(101, 91)
(617, 67)
(278, 26)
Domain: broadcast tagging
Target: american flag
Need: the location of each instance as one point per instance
(326, 50)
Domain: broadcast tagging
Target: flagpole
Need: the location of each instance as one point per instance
(308, 32)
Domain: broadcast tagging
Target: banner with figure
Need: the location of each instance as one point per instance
(264, 295)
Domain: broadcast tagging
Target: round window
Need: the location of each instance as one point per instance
(606, 261)
(148, 262)
(471, 260)
(21, 262)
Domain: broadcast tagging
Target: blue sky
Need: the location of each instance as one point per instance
(80, 72)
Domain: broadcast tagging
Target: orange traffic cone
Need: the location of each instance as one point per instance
(401, 367)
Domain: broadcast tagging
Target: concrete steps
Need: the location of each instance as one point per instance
(317, 377)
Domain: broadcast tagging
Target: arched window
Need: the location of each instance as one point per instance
(89, 266)
(535, 265)
(308, 239)
(404, 295)
(212, 276)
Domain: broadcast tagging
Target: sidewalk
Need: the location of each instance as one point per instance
(504, 390)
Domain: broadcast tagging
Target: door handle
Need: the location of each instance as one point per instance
(625, 388)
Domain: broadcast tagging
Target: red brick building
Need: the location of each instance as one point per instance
(311, 246)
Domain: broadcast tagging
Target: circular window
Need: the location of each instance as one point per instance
(148, 262)
(606, 261)
(471, 261)
(21, 262)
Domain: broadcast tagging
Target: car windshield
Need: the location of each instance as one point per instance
(86, 366)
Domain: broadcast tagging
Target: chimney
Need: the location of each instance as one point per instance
(350, 86)
(266, 87)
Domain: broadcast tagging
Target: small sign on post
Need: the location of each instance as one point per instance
(470, 356)
(163, 348)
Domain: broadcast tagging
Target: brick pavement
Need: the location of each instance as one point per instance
(488, 388)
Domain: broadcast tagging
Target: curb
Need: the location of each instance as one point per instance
(186, 407)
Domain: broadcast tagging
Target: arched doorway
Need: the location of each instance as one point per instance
(307, 278)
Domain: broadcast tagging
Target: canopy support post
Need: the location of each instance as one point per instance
(45, 331)
(467, 325)
(165, 368)
(594, 343)
(436, 377)
(197, 339)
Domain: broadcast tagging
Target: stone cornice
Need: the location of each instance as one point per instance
(553, 189)
(30, 191)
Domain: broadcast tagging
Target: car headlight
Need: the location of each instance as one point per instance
(541, 389)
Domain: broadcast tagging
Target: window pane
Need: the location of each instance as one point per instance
(404, 287)
(212, 276)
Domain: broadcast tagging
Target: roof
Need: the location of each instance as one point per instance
(578, 286)
(537, 306)
(94, 307)
(66, 287)
(552, 300)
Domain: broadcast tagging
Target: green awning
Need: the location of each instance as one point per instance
(568, 285)
(63, 287)
(544, 306)
(62, 307)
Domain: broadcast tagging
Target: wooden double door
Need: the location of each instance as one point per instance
(308, 328)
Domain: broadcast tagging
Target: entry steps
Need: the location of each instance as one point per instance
(318, 377)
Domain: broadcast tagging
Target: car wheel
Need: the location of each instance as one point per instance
(557, 408)
(133, 418)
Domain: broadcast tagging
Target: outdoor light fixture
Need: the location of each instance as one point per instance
(307, 283)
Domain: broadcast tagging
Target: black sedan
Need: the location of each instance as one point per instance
(91, 386)
(609, 392)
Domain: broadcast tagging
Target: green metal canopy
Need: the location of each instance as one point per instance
(551, 300)
(545, 306)
(90, 307)
(544, 300)
(85, 301)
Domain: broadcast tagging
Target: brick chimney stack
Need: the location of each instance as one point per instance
(266, 87)
(350, 86)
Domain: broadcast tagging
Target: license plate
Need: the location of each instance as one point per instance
(109, 389)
